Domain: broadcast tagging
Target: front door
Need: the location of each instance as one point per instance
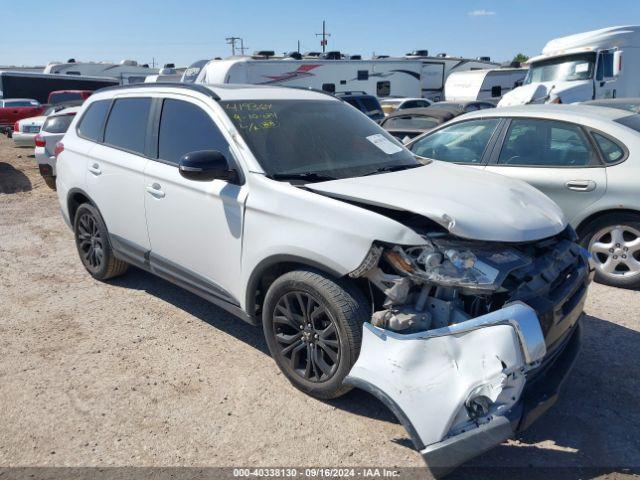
(556, 158)
(195, 227)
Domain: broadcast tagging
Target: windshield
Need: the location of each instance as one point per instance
(324, 137)
(567, 68)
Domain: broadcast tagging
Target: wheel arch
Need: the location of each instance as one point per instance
(75, 198)
(271, 268)
(580, 229)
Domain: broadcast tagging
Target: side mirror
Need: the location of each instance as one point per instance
(617, 62)
(206, 165)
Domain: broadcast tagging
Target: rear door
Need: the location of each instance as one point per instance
(433, 80)
(115, 174)
(195, 227)
(556, 157)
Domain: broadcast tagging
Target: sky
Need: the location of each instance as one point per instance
(181, 32)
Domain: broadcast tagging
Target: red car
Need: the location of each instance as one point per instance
(14, 109)
(60, 96)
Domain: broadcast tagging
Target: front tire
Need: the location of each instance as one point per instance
(92, 242)
(614, 242)
(313, 327)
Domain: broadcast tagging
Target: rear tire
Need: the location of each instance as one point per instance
(614, 242)
(313, 327)
(92, 242)
(50, 181)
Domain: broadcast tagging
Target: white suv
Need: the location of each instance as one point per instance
(441, 290)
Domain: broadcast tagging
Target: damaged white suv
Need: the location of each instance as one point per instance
(452, 295)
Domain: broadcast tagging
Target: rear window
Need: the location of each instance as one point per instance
(127, 124)
(64, 97)
(370, 105)
(632, 121)
(411, 123)
(92, 121)
(58, 123)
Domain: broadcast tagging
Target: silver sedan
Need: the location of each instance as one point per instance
(586, 158)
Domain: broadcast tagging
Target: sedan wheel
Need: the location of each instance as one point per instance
(616, 252)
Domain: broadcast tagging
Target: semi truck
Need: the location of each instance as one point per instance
(585, 66)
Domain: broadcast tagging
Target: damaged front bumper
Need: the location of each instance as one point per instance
(464, 389)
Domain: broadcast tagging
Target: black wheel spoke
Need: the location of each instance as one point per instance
(306, 335)
(89, 241)
(333, 355)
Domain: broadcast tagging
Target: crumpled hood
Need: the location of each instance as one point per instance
(469, 203)
(569, 92)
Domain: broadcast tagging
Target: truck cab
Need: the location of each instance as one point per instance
(582, 67)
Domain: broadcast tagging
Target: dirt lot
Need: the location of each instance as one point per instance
(139, 372)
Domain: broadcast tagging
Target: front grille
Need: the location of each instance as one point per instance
(554, 284)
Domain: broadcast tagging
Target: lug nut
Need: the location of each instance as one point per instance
(617, 245)
(611, 250)
(626, 249)
(615, 257)
(624, 256)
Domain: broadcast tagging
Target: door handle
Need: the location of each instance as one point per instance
(155, 189)
(95, 169)
(581, 185)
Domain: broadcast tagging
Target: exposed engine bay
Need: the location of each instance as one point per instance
(448, 280)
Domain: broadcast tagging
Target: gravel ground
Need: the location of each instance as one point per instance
(139, 372)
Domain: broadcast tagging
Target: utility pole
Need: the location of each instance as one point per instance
(298, 46)
(324, 36)
(232, 41)
(242, 47)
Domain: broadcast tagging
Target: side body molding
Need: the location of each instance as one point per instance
(431, 379)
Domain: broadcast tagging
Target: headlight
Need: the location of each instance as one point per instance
(456, 263)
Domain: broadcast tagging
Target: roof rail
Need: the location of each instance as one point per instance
(188, 86)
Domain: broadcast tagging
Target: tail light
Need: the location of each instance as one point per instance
(40, 141)
(58, 150)
(16, 127)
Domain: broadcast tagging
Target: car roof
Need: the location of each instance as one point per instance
(613, 101)
(221, 91)
(19, 100)
(583, 114)
(66, 111)
(425, 112)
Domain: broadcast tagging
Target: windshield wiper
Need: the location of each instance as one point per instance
(306, 176)
(392, 168)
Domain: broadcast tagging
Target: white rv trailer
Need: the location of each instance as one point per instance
(489, 84)
(397, 77)
(581, 67)
(126, 72)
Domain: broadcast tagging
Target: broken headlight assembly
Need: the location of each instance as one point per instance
(445, 281)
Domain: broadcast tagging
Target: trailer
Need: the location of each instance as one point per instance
(39, 85)
(387, 77)
(126, 72)
(489, 84)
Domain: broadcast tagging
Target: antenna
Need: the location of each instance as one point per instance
(324, 36)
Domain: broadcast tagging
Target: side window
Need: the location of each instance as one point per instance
(545, 143)
(184, 128)
(329, 87)
(363, 74)
(409, 104)
(127, 124)
(92, 121)
(383, 89)
(422, 104)
(464, 142)
(611, 151)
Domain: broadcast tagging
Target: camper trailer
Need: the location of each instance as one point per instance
(489, 85)
(388, 77)
(126, 72)
(586, 66)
